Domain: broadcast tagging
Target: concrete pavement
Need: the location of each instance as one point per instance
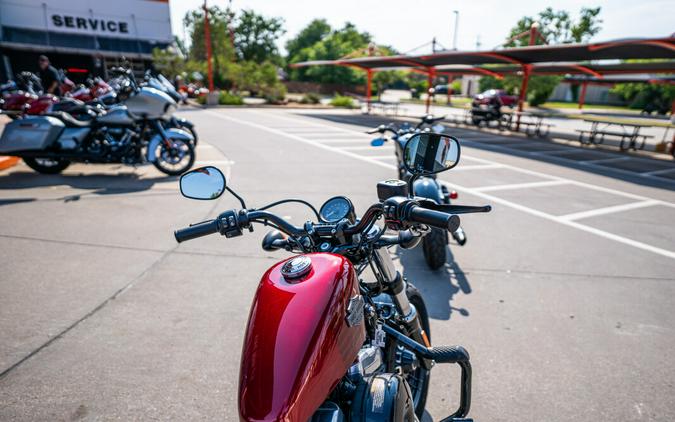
(563, 294)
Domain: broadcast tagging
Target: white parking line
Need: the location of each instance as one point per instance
(523, 185)
(494, 199)
(478, 167)
(365, 148)
(609, 210)
(657, 172)
(339, 140)
(606, 160)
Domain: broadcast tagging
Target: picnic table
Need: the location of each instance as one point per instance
(385, 106)
(532, 122)
(627, 132)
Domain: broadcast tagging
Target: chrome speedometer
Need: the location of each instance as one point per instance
(335, 209)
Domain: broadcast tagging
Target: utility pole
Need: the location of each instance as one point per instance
(433, 45)
(454, 37)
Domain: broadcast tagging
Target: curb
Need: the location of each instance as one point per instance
(7, 162)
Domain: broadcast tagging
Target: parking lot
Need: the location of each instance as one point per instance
(563, 295)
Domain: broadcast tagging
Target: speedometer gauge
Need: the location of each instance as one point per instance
(337, 208)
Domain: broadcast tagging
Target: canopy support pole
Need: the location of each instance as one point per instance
(430, 80)
(369, 85)
(582, 96)
(209, 54)
(523, 90)
(451, 79)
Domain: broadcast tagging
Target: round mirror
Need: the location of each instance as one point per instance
(202, 183)
(429, 153)
(377, 142)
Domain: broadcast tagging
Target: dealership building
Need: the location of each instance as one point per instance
(85, 36)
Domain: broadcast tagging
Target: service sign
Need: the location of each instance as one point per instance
(138, 19)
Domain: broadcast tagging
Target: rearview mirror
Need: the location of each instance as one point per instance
(429, 153)
(202, 183)
(377, 142)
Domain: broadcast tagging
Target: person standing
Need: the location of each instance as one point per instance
(49, 77)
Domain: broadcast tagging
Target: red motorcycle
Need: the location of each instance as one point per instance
(26, 99)
(323, 343)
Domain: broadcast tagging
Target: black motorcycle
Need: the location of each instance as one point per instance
(435, 243)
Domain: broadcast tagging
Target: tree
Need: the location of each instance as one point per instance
(317, 30)
(641, 95)
(557, 27)
(338, 43)
(255, 37)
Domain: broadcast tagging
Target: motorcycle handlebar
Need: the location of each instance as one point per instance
(197, 230)
(433, 218)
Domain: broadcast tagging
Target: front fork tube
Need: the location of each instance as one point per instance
(396, 286)
(160, 129)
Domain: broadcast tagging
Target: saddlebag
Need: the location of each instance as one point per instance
(30, 134)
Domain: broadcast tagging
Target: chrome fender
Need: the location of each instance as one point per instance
(169, 134)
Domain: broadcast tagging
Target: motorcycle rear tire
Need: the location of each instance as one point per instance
(57, 167)
(419, 392)
(434, 247)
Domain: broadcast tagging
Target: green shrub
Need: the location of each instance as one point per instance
(310, 98)
(201, 99)
(342, 101)
(275, 94)
(227, 98)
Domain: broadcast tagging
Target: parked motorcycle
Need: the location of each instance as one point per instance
(488, 109)
(435, 243)
(130, 134)
(27, 98)
(322, 343)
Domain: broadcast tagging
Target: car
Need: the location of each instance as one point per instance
(492, 95)
(441, 89)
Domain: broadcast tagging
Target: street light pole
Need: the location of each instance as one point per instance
(454, 37)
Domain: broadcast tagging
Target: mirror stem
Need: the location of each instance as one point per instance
(241, 200)
(411, 183)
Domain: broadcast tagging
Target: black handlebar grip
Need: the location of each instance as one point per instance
(197, 230)
(438, 219)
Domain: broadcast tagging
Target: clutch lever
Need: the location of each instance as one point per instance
(454, 209)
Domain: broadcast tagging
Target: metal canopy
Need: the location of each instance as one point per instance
(637, 48)
(593, 70)
(560, 59)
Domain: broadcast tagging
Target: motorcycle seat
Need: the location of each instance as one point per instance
(70, 121)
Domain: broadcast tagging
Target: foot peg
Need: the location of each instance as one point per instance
(459, 236)
(449, 354)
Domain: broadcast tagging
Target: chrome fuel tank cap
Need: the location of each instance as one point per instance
(296, 267)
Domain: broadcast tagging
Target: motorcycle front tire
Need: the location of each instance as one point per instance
(419, 392)
(47, 166)
(160, 164)
(434, 246)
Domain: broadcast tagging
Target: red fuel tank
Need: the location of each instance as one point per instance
(298, 343)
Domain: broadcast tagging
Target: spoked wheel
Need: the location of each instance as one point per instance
(418, 379)
(434, 246)
(175, 158)
(47, 165)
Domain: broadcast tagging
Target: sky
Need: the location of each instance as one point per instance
(406, 25)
